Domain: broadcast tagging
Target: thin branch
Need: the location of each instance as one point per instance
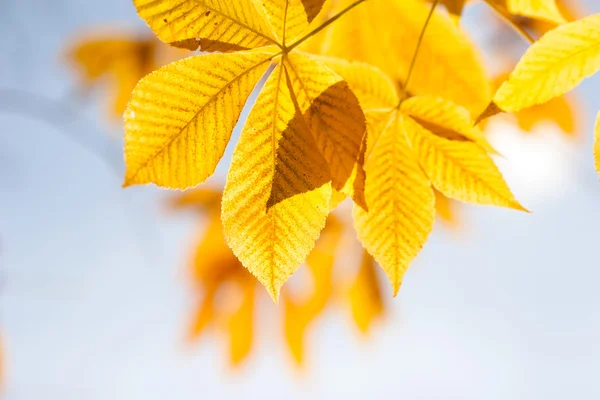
(414, 59)
(325, 24)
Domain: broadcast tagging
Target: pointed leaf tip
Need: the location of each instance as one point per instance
(491, 110)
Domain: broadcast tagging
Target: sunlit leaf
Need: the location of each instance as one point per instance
(555, 64)
(278, 189)
(542, 9)
(401, 204)
(179, 120)
(461, 170)
(385, 34)
(212, 25)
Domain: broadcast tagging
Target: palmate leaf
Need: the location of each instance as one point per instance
(412, 146)
(304, 136)
(365, 296)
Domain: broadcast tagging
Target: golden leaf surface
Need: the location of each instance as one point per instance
(385, 34)
(445, 119)
(401, 204)
(552, 66)
(278, 188)
(461, 170)
(179, 121)
(335, 117)
(540, 9)
(404, 158)
(373, 88)
(562, 110)
(212, 25)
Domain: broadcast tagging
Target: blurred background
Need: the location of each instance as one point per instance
(95, 298)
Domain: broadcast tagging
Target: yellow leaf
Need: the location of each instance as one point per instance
(180, 118)
(401, 204)
(385, 33)
(334, 115)
(561, 110)
(291, 18)
(212, 25)
(445, 119)
(552, 66)
(597, 144)
(461, 170)
(240, 324)
(541, 9)
(300, 313)
(278, 188)
(365, 295)
(374, 89)
(203, 316)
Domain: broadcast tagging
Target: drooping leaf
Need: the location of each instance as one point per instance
(278, 188)
(461, 170)
(180, 117)
(212, 25)
(300, 313)
(365, 295)
(554, 65)
(401, 204)
(240, 324)
(541, 9)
